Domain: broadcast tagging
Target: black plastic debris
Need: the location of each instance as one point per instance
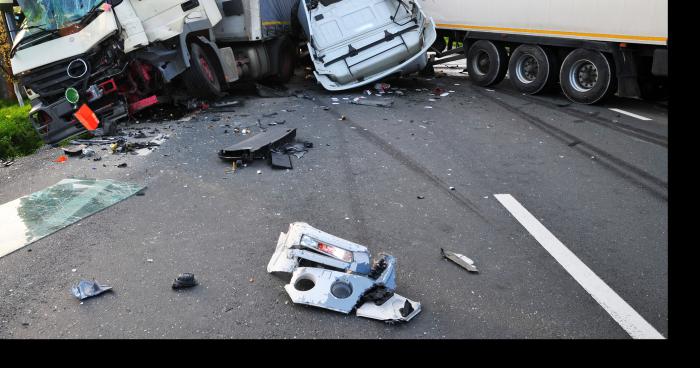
(280, 160)
(184, 280)
(277, 143)
(86, 289)
(297, 149)
(258, 146)
(460, 259)
(122, 165)
(407, 309)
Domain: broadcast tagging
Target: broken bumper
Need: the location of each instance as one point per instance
(55, 122)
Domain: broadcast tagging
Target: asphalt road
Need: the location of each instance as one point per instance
(595, 178)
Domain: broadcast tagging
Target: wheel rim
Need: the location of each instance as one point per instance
(481, 63)
(526, 69)
(583, 75)
(206, 69)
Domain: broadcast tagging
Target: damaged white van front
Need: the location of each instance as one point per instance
(357, 42)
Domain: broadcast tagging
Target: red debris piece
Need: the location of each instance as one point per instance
(61, 158)
(142, 104)
(87, 117)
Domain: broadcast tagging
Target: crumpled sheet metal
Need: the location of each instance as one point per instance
(396, 309)
(86, 289)
(321, 295)
(284, 260)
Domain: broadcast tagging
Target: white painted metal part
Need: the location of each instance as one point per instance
(284, 260)
(320, 294)
(365, 26)
(64, 47)
(390, 311)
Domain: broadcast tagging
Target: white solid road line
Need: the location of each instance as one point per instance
(635, 325)
(640, 117)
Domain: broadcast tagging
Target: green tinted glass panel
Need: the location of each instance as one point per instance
(30, 218)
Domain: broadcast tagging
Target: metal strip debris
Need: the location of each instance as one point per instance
(460, 259)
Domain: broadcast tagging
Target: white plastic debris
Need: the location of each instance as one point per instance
(396, 309)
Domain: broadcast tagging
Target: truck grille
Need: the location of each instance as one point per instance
(51, 81)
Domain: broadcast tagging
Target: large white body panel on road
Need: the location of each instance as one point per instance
(631, 21)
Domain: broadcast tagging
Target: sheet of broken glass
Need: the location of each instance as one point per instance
(32, 217)
(55, 14)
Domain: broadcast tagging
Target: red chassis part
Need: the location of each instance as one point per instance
(142, 104)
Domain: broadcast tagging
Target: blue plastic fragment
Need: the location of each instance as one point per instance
(86, 289)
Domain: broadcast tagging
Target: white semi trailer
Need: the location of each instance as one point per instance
(590, 48)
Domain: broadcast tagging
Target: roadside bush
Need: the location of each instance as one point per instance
(17, 135)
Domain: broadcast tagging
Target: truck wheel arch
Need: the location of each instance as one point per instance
(212, 52)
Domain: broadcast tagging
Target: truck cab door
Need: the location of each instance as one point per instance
(133, 33)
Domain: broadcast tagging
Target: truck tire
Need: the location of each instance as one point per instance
(487, 63)
(286, 56)
(586, 76)
(200, 78)
(532, 69)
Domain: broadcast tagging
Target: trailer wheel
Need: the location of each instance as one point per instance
(586, 76)
(532, 69)
(487, 63)
(200, 78)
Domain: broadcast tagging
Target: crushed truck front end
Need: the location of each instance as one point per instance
(356, 42)
(90, 78)
(55, 65)
(90, 64)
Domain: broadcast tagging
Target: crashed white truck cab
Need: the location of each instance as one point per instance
(88, 64)
(356, 42)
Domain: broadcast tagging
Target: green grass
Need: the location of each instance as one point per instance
(17, 135)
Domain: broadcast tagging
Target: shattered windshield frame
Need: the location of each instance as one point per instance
(49, 15)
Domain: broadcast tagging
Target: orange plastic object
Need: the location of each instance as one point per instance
(87, 117)
(61, 158)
